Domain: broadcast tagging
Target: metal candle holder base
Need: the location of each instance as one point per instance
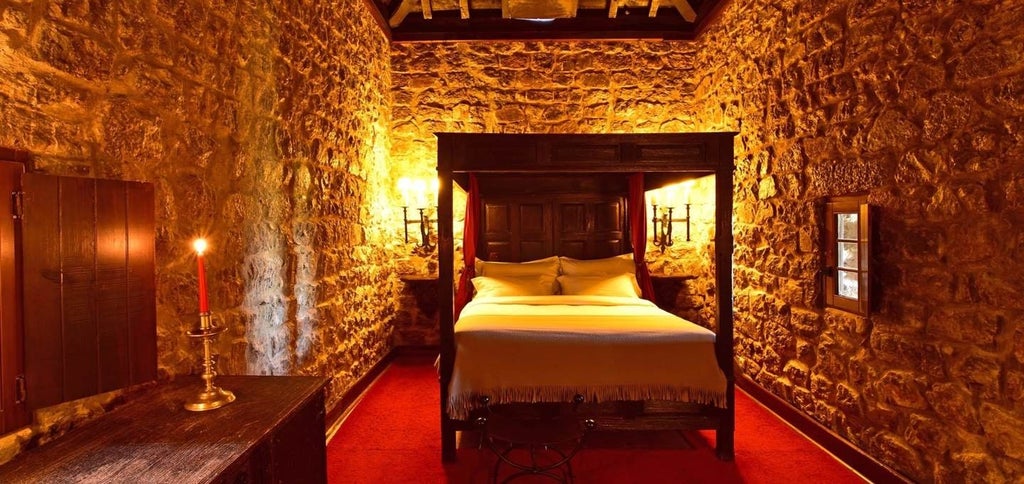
(211, 397)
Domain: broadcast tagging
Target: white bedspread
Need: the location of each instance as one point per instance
(550, 348)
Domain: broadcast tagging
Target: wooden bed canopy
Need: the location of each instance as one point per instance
(565, 194)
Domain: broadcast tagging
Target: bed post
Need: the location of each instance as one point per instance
(725, 434)
(445, 281)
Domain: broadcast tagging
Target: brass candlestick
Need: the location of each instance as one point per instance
(211, 397)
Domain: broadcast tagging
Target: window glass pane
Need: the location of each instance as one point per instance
(846, 226)
(848, 255)
(848, 284)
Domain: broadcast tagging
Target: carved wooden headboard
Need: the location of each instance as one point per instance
(526, 217)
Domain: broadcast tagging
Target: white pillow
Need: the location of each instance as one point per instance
(609, 266)
(515, 286)
(622, 285)
(546, 266)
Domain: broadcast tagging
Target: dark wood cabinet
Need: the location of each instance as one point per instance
(273, 433)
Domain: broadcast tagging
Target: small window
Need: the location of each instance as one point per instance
(847, 254)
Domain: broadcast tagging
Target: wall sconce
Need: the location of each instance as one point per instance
(663, 238)
(661, 224)
(415, 191)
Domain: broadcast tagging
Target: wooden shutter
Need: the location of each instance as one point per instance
(90, 318)
(12, 406)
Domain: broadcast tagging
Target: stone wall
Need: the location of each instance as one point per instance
(688, 266)
(919, 105)
(264, 127)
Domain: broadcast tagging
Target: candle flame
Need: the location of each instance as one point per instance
(199, 245)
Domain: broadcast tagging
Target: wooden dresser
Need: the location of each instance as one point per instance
(273, 432)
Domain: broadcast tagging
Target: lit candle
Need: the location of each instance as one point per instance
(671, 195)
(420, 190)
(687, 186)
(200, 246)
(404, 185)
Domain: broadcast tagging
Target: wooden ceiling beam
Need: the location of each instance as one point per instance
(685, 9)
(400, 13)
(613, 8)
(464, 9)
(428, 13)
(654, 8)
(588, 24)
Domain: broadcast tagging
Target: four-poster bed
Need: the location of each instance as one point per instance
(563, 197)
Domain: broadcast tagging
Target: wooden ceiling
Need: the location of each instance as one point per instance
(468, 20)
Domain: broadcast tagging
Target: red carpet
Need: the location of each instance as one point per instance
(393, 436)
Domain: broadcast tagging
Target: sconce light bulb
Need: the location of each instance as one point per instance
(404, 184)
(199, 245)
(687, 187)
(670, 195)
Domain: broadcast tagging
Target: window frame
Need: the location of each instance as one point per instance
(835, 206)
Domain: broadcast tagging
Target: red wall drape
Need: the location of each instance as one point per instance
(638, 233)
(465, 291)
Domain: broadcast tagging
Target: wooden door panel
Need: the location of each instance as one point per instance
(533, 250)
(534, 231)
(600, 249)
(13, 412)
(532, 222)
(497, 251)
(590, 227)
(497, 224)
(539, 225)
(608, 217)
(89, 277)
(497, 221)
(78, 303)
(41, 276)
(111, 293)
(572, 219)
(141, 237)
(577, 249)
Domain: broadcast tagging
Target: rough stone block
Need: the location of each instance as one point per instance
(1003, 430)
(895, 451)
(952, 403)
(798, 373)
(822, 387)
(981, 374)
(901, 388)
(1018, 344)
(964, 325)
(927, 435)
(969, 466)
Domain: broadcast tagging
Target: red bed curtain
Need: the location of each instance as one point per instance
(465, 291)
(638, 233)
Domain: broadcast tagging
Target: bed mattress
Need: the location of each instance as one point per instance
(551, 348)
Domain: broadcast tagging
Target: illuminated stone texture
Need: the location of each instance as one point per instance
(264, 127)
(917, 104)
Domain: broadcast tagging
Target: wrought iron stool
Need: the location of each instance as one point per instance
(550, 440)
